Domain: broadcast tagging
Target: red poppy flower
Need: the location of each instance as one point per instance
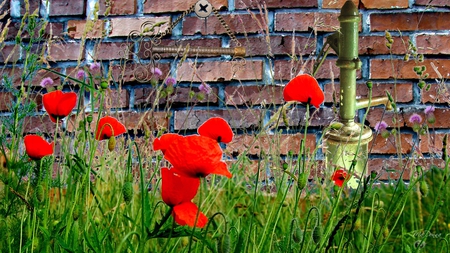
(164, 141)
(59, 104)
(177, 189)
(36, 147)
(187, 213)
(196, 156)
(339, 177)
(217, 129)
(109, 126)
(305, 89)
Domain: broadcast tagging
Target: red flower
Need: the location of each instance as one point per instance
(217, 129)
(36, 147)
(178, 192)
(193, 156)
(107, 127)
(59, 104)
(339, 177)
(305, 89)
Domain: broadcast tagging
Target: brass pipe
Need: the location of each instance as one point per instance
(364, 102)
(236, 52)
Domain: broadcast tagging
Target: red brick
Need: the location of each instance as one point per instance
(436, 94)
(286, 70)
(145, 52)
(375, 45)
(146, 97)
(68, 51)
(113, 50)
(131, 72)
(377, 114)
(216, 71)
(123, 27)
(63, 7)
(428, 3)
(385, 4)
(253, 95)
(433, 44)
(382, 68)
(158, 6)
(403, 91)
(442, 116)
(38, 124)
(116, 98)
(249, 118)
(432, 143)
(320, 117)
(336, 4)
(6, 99)
(118, 7)
(277, 45)
(10, 53)
(52, 30)
(245, 4)
(266, 143)
(76, 29)
(306, 21)
(410, 21)
(34, 6)
(149, 120)
(389, 169)
(37, 78)
(238, 24)
(390, 145)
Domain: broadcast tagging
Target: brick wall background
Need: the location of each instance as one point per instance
(243, 92)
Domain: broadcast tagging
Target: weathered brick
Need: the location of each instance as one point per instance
(6, 99)
(320, 117)
(438, 93)
(63, 7)
(433, 44)
(279, 144)
(10, 53)
(336, 4)
(216, 71)
(375, 45)
(158, 6)
(385, 4)
(189, 120)
(245, 4)
(442, 115)
(390, 145)
(38, 124)
(441, 3)
(277, 45)
(403, 92)
(396, 68)
(238, 24)
(147, 121)
(389, 169)
(113, 50)
(410, 21)
(123, 27)
(432, 143)
(37, 78)
(77, 29)
(286, 70)
(377, 114)
(145, 52)
(118, 7)
(53, 30)
(116, 98)
(253, 95)
(68, 51)
(146, 97)
(34, 6)
(306, 21)
(132, 72)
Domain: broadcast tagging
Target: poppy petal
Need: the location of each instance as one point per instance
(304, 88)
(164, 141)
(339, 177)
(107, 126)
(36, 147)
(187, 213)
(194, 155)
(66, 103)
(176, 189)
(221, 168)
(59, 104)
(217, 129)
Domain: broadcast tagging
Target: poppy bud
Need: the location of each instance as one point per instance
(127, 191)
(224, 245)
(39, 193)
(297, 235)
(423, 187)
(317, 234)
(111, 143)
(302, 180)
(89, 118)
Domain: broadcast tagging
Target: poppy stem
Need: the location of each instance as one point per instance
(160, 224)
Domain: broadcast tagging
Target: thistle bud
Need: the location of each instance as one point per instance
(127, 191)
(224, 244)
(111, 143)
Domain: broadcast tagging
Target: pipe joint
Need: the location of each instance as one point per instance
(349, 64)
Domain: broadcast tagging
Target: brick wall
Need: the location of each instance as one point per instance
(243, 92)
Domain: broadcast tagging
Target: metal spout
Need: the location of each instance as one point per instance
(364, 102)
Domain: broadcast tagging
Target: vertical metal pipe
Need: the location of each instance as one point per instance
(348, 61)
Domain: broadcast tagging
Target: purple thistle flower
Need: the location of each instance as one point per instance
(156, 72)
(429, 110)
(46, 82)
(171, 81)
(205, 88)
(380, 126)
(415, 118)
(95, 66)
(80, 74)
